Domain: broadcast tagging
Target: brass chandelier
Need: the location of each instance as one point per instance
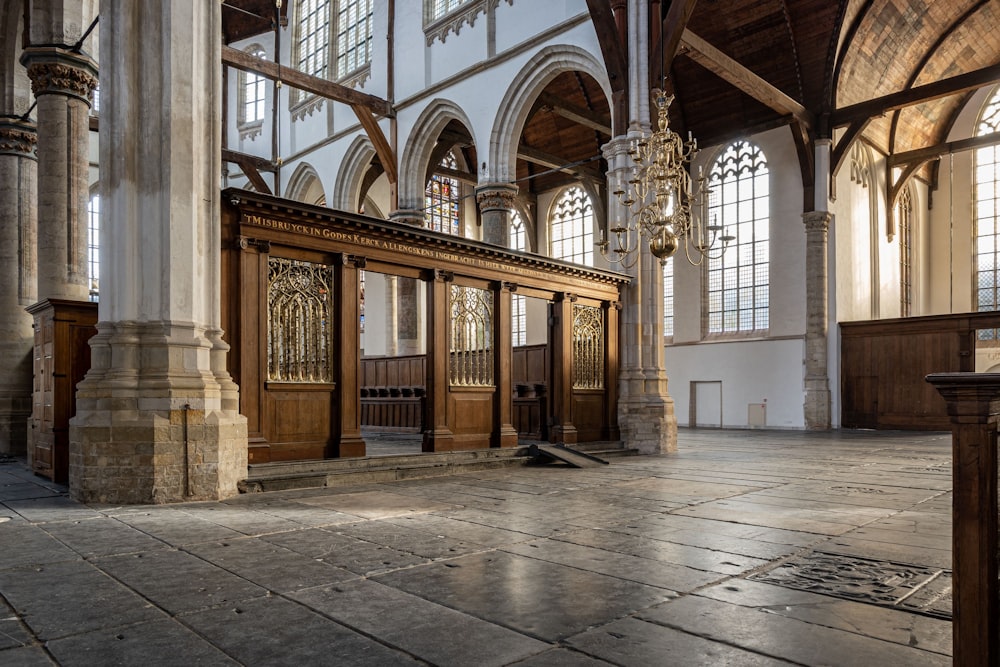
(659, 199)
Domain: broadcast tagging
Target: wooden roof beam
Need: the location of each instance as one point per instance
(917, 95)
(922, 155)
(580, 115)
(739, 76)
(544, 159)
(673, 26)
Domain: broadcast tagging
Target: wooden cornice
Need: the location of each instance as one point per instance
(739, 76)
(917, 95)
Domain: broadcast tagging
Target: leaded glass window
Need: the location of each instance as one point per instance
(904, 211)
(668, 298)
(312, 40)
(518, 239)
(354, 35)
(572, 227)
(442, 200)
(299, 321)
(439, 8)
(470, 337)
(93, 246)
(253, 93)
(738, 279)
(987, 212)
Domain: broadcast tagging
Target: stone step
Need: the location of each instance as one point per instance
(286, 475)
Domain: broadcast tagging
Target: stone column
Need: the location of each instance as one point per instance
(63, 83)
(817, 382)
(158, 414)
(18, 280)
(645, 409)
(496, 200)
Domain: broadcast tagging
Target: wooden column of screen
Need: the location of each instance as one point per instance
(347, 440)
(437, 436)
(561, 332)
(611, 309)
(504, 433)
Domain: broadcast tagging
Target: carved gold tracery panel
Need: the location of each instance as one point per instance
(299, 321)
(588, 347)
(470, 337)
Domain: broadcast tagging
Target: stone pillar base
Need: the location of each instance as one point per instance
(128, 456)
(157, 418)
(648, 423)
(817, 404)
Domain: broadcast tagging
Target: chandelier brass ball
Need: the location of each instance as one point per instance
(663, 245)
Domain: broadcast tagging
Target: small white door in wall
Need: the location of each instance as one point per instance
(706, 403)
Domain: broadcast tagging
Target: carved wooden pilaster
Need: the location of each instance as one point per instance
(611, 310)
(437, 435)
(347, 366)
(504, 433)
(561, 327)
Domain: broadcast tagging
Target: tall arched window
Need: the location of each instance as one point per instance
(93, 246)
(252, 92)
(438, 8)
(987, 187)
(572, 227)
(668, 298)
(738, 280)
(312, 40)
(442, 199)
(518, 240)
(354, 35)
(904, 218)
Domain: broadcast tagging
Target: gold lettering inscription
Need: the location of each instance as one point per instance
(353, 238)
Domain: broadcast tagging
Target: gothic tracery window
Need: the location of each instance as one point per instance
(442, 199)
(987, 215)
(572, 227)
(439, 8)
(738, 280)
(300, 321)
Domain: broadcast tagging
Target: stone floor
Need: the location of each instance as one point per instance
(707, 557)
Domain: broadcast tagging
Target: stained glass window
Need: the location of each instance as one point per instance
(572, 227)
(987, 216)
(442, 199)
(738, 280)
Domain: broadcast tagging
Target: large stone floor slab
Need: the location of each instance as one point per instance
(679, 559)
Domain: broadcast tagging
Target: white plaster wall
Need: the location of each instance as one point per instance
(764, 371)
(537, 315)
(373, 341)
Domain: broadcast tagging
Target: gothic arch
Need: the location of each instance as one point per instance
(546, 65)
(305, 185)
(354, 166)
(420, 146)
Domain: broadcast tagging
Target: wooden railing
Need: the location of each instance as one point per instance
(973, 401)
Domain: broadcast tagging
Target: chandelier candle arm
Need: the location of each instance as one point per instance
(660, 199)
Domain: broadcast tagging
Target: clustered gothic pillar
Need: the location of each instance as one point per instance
(817, 382)
(18, 226)
(496, 200)
(645, 409)
(158, 414)
(63, 82)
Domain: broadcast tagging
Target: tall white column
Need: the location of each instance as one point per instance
(18, 265)
(158, 414)
(63, 82)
